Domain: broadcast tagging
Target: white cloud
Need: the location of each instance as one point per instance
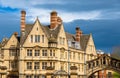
(44, 14)
(41, 13)
(14, 3)
(25, 4)
(88, 15)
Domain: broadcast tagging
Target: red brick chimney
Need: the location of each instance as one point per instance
(16, 34)
(78, 34)
(23, 14)
(53, 19)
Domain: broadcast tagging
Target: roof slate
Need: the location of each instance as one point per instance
(84, 40)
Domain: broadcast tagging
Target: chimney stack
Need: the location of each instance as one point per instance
(53, 19)
(23, 14)
(16, 34)
(78, 34)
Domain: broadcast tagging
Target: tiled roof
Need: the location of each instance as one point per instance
(28, 28)
(84, 40)
(53, 33)
(49, 33)
(70, 36)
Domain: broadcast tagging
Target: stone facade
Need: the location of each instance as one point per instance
(47, 51)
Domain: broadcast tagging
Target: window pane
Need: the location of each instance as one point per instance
(37, 52)
(53, 52)
(42, 38)
(31, 38)
(29, 52)
(28, 76)
(38, 38)
(43, 76)
(36, 65)
(29, 65)
(44, 65)
(13, 52)
(35, 38)
(13, 64)
(36, 76)
(50, 52)
(44, 52)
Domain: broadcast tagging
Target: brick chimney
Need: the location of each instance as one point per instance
(78, 34)
(23, 14)
(16, 34)
(53, 19)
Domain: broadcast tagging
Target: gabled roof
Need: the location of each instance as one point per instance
(84, 40)
(52, 34)
(46, 29)
(5, 40)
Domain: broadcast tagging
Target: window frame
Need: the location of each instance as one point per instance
(31, 38)
(44, 53)
(13, 64)
(44, 65)
(43, 38)
(13, 52)
(36, 65)
(29, 65)
(29, 52)
(37, 38)
(28, 76)
(36, 52)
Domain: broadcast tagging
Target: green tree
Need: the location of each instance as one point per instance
(116, 75)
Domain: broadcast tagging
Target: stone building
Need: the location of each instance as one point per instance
(2, 66)
(47, 51)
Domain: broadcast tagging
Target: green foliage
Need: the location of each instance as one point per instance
(116, 75)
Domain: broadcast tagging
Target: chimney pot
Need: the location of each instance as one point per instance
(16, 34)
(78, 33)
(23, 12)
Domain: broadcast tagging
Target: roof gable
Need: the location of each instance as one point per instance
(35, 29)
(13, 41)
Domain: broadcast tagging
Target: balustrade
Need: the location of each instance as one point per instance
(104, 62)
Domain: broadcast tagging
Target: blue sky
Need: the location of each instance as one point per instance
(99, 17)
